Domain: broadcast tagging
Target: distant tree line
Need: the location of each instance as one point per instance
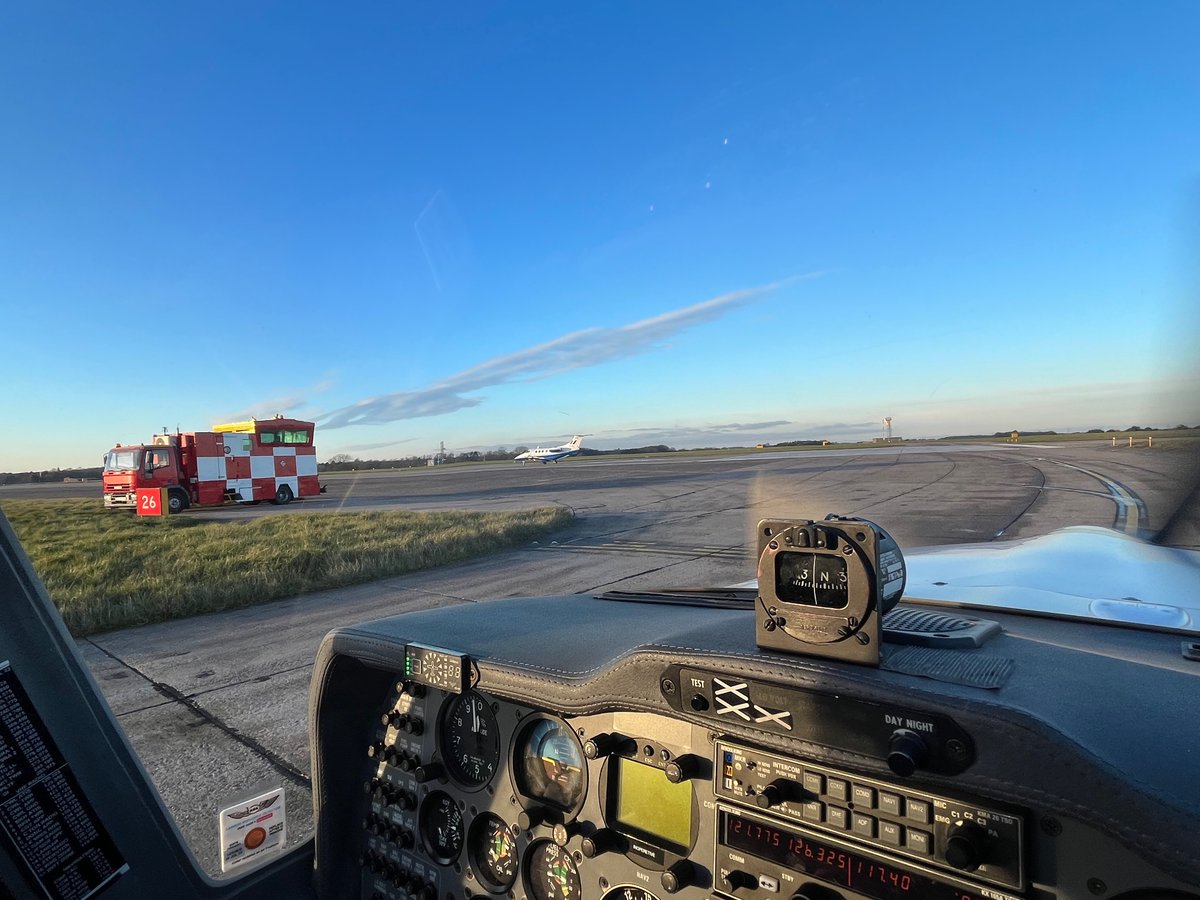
(51, 475)
(344, 462)
(1023, 433)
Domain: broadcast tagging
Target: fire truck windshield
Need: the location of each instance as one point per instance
(122, 460)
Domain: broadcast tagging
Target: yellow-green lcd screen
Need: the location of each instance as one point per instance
(648, 803)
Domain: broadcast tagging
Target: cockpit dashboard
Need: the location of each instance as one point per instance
(584, 748)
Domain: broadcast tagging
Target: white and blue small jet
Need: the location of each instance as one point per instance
(551, 454)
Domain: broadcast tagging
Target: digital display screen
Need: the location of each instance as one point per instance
(650, 807)
(811, 579)
(837, 865)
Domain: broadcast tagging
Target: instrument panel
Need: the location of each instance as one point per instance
(528, 764)
(503, 799)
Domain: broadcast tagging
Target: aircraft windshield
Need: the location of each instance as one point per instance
(597, 286)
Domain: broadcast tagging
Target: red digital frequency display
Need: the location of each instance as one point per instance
(803, 853)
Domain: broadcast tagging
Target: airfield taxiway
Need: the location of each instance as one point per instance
(217, 705)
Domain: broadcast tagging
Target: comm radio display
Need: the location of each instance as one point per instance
(837, 865)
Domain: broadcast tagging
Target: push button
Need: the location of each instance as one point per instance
(837, 789)
(919, 810)
(864, 825)
(837, 817)
(920, 842)
(814, 811)
(814, 783)
(864, 797)
(891, 834)
(892, 804)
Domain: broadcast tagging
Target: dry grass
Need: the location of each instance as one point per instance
(107, 570)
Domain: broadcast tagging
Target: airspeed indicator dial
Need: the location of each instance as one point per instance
(470, 740)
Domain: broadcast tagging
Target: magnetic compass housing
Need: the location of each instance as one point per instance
(823, 587)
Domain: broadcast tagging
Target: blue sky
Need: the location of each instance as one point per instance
(505, 223)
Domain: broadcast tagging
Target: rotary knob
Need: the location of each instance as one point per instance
(600, 841)
(778, 791)
(531, 818)
(429, 772)
(737, 880)
(907, 752)
(604, 744)
(678, 876)
(683, 768)
(966, 846)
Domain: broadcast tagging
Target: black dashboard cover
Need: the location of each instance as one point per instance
(1096, 723)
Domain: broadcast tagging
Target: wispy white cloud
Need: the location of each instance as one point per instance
(578, 350)
(286, 404)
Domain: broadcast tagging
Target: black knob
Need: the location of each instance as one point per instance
(376, 750)
(737, 879)
(427, 892)
(678, 876)
(414, 726)
(417, 690)
(602, 745)
(428, 772)
(404, 839)
(407, 762)
(778, 791)
(907, 752)
(966, 846)
(682, 768)
(395, 717)
(532, 817)
(600, 841)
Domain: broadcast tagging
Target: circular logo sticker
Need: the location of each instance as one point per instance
(255, 838)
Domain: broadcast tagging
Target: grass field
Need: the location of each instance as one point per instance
(108, 570)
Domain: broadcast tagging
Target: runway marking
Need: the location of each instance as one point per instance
(1130, 508)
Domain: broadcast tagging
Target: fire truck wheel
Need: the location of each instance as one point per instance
(283, 496)
(177, 502)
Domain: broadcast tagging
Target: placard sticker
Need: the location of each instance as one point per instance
(253, 829)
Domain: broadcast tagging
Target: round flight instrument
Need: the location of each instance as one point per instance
(441, 825)
(628, 892)
(492, 850)
(550, 874)
(470, 740)
(550, 765)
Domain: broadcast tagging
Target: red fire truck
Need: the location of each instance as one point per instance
(240, 462)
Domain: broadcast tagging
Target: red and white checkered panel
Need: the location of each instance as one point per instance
(237, 462)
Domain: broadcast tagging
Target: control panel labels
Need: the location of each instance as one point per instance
(43, 812)
(253, 829)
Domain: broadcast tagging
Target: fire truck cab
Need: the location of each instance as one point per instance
(239, 462)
